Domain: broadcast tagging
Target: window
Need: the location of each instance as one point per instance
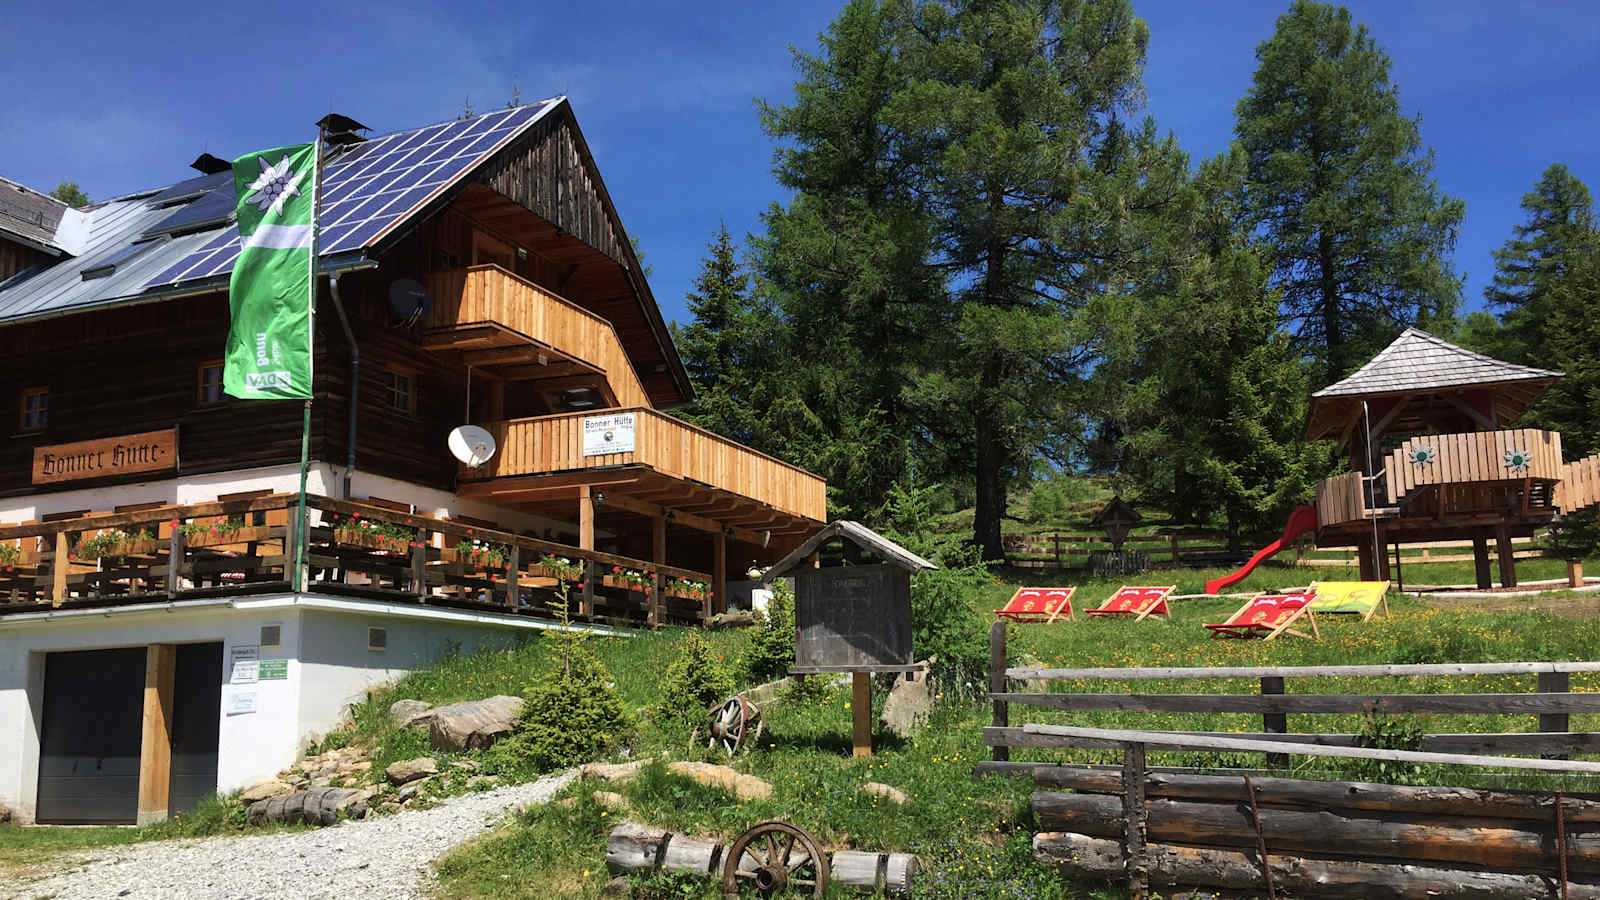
(208, 383)
(35, 409)
(397, 390)
(271, 636)
(377, 639)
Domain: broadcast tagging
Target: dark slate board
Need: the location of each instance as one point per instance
(852, 617)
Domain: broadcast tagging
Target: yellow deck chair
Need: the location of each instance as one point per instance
(1356, 598)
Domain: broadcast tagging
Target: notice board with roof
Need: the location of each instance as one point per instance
(853, 615)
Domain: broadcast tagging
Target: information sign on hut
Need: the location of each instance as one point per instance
(854, 616)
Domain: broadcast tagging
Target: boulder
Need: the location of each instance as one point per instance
(405, 713)
(408, 792)
(892, 794)
(473, 725)
(745, 787)
(317, 806)
(908, 705)
(611, 800)
(263, 790)
(737, 619)
(611, 771)
(5, 814)
(410, 770)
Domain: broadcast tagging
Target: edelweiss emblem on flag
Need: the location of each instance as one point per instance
(274, 186)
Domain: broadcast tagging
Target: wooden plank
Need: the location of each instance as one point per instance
(1399, 670)
(1488, 744)
(59, 563)
(1350, 704)
(155, 739)
(997, 682)
(128, 454)
(861, 713)
(1067, 736)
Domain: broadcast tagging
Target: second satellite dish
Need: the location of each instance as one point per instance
(409, 301)
(472, 445)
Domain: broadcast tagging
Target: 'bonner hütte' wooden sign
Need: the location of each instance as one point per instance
(152, 451)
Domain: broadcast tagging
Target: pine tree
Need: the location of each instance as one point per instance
(1560, 227)
(727, 348)
(1342, 190)
(1572, 334)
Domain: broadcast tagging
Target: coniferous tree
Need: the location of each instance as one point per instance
(727, 347)
(1572, 333)
(1559, 229)
(1341, 188)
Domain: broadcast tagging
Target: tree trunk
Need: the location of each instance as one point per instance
(990, 486)
(1328, 297)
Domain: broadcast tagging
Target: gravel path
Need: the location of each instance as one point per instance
(387, 857)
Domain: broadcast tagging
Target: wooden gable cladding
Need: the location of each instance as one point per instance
(15, 257)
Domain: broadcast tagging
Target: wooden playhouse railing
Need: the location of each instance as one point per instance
(246, 546)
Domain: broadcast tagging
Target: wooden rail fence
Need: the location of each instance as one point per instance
(246, 546)
(1069, 550)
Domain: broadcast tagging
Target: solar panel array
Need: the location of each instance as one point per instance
(369, 187)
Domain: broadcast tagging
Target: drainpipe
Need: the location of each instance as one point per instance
(355, 378)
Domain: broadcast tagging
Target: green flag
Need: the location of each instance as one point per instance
(268, 355)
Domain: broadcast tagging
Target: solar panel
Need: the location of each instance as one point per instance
(211, 208)
(192, 187)
(368, 188)
(106, 266)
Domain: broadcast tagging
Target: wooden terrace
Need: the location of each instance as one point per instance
(245, 546)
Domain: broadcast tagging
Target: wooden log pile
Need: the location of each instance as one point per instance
(633, 848)
(1323, 839)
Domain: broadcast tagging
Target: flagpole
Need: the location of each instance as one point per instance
(302, 536)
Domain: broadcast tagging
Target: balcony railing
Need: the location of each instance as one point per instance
(246, 547)
(668, 445)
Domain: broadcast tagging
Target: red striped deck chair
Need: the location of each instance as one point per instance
(1139, 602)
(1267, 616)
(1038, 605)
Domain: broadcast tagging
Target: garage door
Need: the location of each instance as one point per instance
(89, 740)
(196, 712)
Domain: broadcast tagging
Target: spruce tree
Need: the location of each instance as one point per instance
(1572, 335)
(1342, 190)
(1560, 228)
(727, 348)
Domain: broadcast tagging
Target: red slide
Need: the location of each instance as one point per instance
(1302, 520)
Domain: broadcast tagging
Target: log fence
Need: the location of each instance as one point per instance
(245, 546)
(1057, 550)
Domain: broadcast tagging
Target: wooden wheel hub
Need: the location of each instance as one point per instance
(775, 856)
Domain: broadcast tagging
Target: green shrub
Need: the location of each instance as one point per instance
(946, 624)
(1575, 536)
(571, 714)
(1382, 731)
(771, 650)
(694, 682)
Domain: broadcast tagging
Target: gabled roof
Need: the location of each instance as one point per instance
(1419, 363)
(30, 217)
(891, 553)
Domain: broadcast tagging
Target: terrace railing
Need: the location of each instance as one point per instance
(246, 547)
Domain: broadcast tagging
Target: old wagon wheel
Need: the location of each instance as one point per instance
(732, 724)
(775, 856)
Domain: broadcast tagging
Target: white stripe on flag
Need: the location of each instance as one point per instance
(280, 237)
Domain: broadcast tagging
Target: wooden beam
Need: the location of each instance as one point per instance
(501, 488)
(585, 518)
(1480, 558)
(719, 573)
(58, 569)
(1508, 557)
(658, 555)
(155, 741)
(553, 370)
(1478, 418)
(631, 503)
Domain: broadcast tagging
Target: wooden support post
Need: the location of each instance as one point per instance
(1558, 723)
(586, 542)
(419, 563)
(1508, 557)
(1364, 558)
(514, 578)
(658, 555)
(1480, 558)
(861, 713)
(177, 546)
(997, 682)
(1133, 820)
(1173, 541)
(1274, 723)
(155, 743)
(1575, 573)
(586, 595)
(719, 573)
(58, 569)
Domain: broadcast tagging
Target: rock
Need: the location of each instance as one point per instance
(467, 764)
(473, 725)
(478, 781)
(745, 787)
(610, 771)
(408, 792)
(617, 887)
(406, 713)
(388, 807)
(892, 794)
(909, 702)
(567, 803)
(410, 770)
(610, 800)
(318, 806)
(263, 790)
(739, 619)
(5, 814)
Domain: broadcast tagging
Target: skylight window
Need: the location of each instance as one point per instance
(105, 267)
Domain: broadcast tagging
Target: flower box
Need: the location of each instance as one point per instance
(357, 537)
(243, 535)
(142, 547)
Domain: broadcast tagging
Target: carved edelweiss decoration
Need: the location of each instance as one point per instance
(1517, 459)
(1422, 456)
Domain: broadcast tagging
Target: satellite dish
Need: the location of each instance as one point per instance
(409, 301)
(472, 445)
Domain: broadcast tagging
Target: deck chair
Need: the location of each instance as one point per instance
(1138, 602)
(1267, 616)
(1038, 605)
(1356, 598)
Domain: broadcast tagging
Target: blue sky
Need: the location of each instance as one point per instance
(122, 96)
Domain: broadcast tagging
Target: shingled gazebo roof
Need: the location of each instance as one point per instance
(1417, 363)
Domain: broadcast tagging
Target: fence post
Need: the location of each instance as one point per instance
(419, 562)
(997, 683)
(176, 548)
(586, 601)
(1133, 819)
(1056, 538)
(1554, 683)
(1274, 723)
(1173, 539)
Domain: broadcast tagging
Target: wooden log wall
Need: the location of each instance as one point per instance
(15, 257)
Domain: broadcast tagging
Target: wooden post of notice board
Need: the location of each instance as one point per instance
(861, 713)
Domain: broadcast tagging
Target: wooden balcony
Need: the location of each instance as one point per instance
(675, 464)
(1444, 475)
(495, 321)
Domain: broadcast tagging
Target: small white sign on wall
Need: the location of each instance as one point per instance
(241, 703)
(608, 434)
(244, 663)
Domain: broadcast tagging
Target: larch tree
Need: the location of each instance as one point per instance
(1342, 192)
(1559, 229)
